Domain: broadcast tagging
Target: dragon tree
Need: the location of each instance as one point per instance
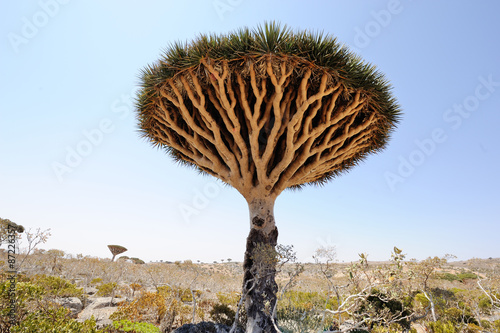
(7, 227)
(265, 110)
(116, 250)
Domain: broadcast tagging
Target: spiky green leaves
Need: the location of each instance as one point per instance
(320, 49)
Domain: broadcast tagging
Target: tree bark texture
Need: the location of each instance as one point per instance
(259, 284)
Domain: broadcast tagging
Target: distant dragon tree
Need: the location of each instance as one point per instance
(116, 250)
(265, 110)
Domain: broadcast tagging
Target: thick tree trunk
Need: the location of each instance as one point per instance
(259, 283)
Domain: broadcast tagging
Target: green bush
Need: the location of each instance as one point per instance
(392, 328)
(486, 324)
(442, 327)
(128, 326)
(449, 277)
(222, 314)
(466, 275)
(33, 314)
(496, 325)
(485, 304)
(106, 289)
(308, 300)
(54, 320)
(422, 300)
(26, 296)
(472, 328)
(381, 304)
(454, 315)
(155, 308)
(183, 294)
(57, 286)
(291, 319)
(96, 281)
(230, 299)
(137, 261)
(457, 277)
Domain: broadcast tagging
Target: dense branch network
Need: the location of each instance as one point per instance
(264, 124)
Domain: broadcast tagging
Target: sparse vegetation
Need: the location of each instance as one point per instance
(458, 277)
(57, 286)
(361, 296)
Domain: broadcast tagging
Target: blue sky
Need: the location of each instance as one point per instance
(71, 159)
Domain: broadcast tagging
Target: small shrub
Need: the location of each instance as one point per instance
(466, 276)
(485, 304)
(222, 314)
(27, 295)
(184, 295)
(457, 277)
(454, 315)
(137, 261)
(307, 300)
(128, 326)
(486, 324)
(496, 325)
(230, 299)
(442, 327)
(54, 320)
(135, 287)
(56, 286)
(393, 328)
(106, 289)
(472, 328)
(95, 282)
(149, 307)
(291, 319)
(449, 277)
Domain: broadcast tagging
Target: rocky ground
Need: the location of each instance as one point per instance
(99, 307)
